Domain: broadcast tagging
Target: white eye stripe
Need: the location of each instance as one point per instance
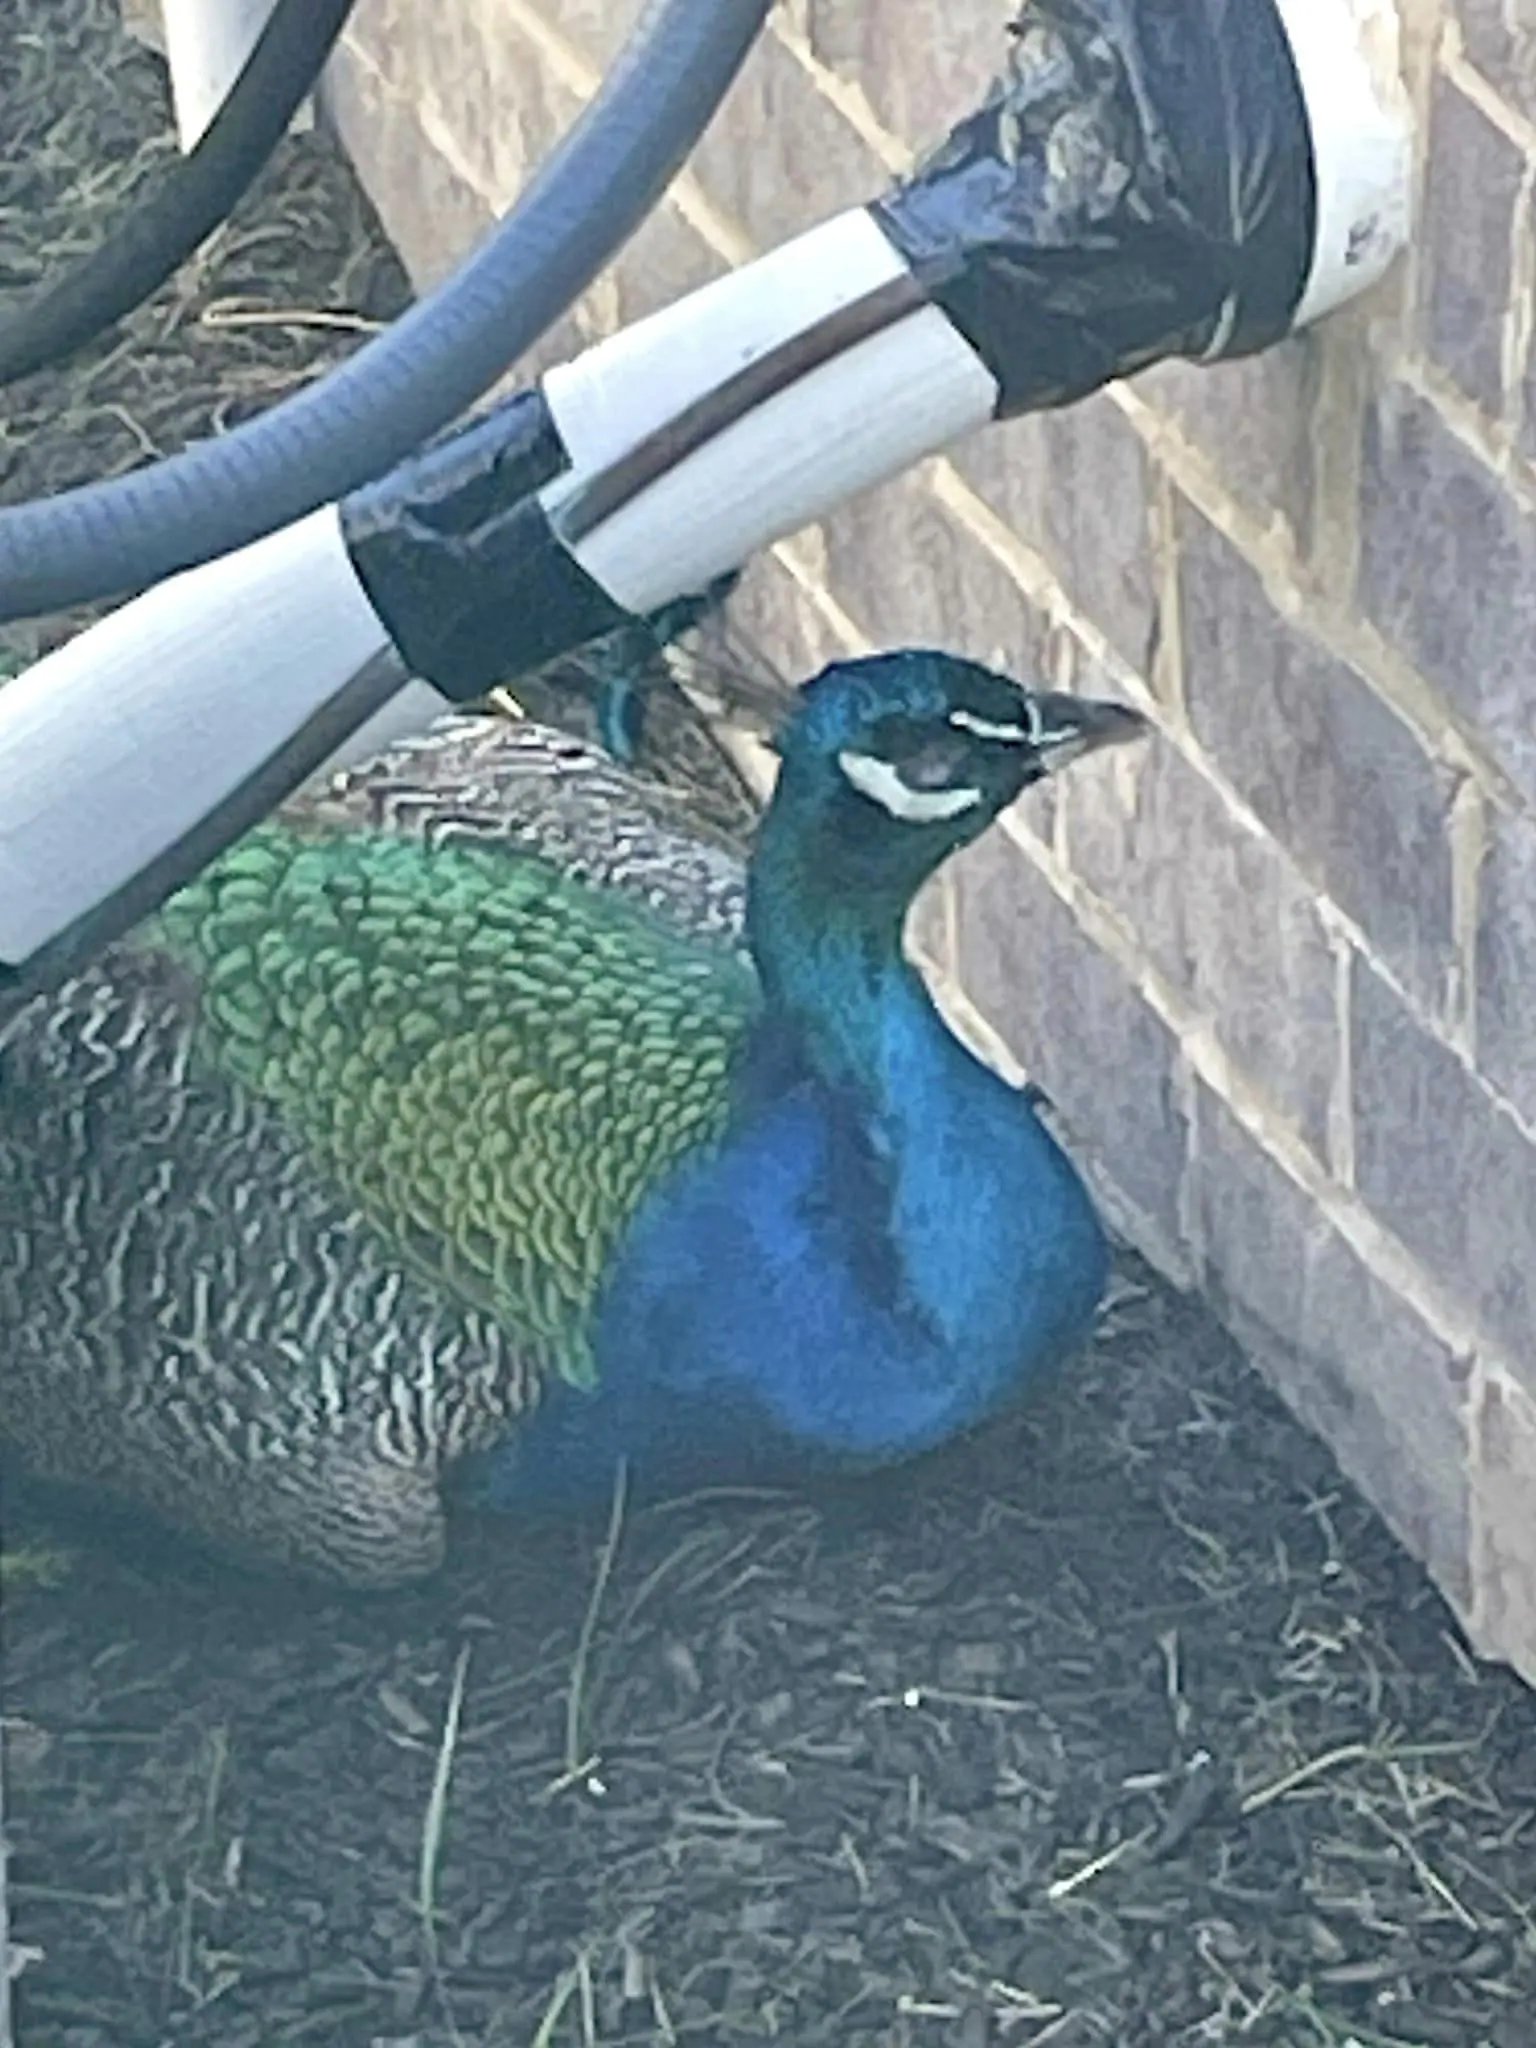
(880, 782)
(985, 729)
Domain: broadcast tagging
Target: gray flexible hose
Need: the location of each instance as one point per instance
(104, 539)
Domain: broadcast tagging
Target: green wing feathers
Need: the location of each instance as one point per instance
(494, 1061)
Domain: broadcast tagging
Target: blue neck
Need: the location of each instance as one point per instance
(978, 1185)
(887, 1244)
(833, 971)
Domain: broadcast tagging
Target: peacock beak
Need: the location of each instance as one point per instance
(1069, 727)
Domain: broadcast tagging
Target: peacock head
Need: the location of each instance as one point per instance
(891, 763)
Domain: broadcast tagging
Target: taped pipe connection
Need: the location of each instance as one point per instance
(1195, 178)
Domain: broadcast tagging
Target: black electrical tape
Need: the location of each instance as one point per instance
(1140, 184)
(1132, 189)
(443, 541)
(460, 563)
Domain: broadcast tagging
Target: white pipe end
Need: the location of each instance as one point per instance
(206, 45)
(120, 742)
(1347, 56)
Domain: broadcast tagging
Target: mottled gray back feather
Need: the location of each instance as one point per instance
(190, 1316)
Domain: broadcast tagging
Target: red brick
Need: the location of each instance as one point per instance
(1470, 194)
(1337, 777)
(1352, 1359)
(1446, 1168)
(1076, 485)
(919, 97)
(1253, 418)
(1073, 1020)
(778, 156)
(1222, 915)
(1448, 572)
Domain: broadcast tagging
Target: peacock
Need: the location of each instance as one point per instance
(480, 1121)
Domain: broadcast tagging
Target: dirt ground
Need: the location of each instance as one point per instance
(1127, 1724)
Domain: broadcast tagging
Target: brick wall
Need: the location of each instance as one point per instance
(1277, 967)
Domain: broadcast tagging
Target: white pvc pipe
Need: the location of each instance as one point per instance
(1347, 59)
(864, 416)
(118, 743)
(206, 45)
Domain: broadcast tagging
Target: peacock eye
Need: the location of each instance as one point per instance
(914, 772)
(936, 761)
